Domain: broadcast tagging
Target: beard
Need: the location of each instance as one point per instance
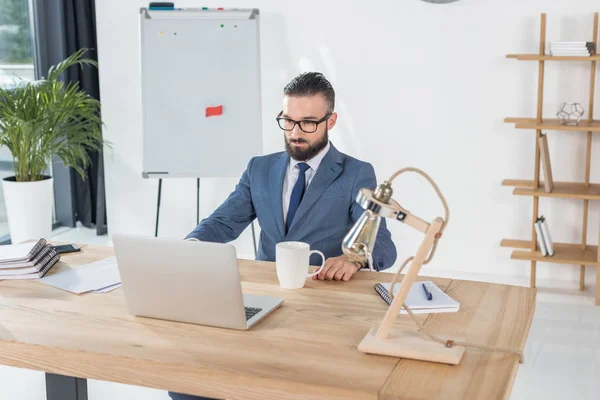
(308, 153)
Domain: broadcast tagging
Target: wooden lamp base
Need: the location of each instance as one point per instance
(405, 343)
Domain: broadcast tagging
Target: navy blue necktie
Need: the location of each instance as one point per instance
(297, 194)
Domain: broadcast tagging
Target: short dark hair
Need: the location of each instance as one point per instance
(311, 84)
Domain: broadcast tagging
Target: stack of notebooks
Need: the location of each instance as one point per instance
(419, 300)
(543, 237)
(27, 260)
(562, 49)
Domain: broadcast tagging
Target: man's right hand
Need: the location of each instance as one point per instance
(338, 269)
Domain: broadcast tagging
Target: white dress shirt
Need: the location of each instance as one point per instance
(291, 177)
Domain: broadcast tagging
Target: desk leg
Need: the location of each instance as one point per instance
(59, 387)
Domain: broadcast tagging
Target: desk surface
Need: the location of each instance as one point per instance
(304, 350)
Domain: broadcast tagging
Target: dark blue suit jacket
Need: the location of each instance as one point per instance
(325, 215)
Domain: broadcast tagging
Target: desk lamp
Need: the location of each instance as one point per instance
(358, 246)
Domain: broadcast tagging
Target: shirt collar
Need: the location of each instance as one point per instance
(314, 162)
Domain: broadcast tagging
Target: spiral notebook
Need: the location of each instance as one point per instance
(417, 299)
(35, 268)
(22, 252)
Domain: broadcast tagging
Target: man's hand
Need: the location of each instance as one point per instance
(338, 269)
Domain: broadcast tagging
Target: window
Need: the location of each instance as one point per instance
(16, 66)
(16, 48)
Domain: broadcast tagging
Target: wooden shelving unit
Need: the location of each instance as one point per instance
(564, 253)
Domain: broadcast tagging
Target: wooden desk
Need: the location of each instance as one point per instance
(305, 350)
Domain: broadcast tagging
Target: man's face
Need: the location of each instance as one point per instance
(300, 145)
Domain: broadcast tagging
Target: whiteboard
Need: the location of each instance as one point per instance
(194, 60)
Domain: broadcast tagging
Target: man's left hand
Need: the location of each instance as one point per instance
(338, 269)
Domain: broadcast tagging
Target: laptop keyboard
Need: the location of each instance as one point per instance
(251, 312)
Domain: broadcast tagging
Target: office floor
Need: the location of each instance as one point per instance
(562, 355)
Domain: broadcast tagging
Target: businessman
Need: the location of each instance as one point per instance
(304, 194)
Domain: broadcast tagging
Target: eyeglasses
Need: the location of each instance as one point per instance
(305, 125)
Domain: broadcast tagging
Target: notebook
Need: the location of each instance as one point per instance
(12, 268)
(21, 252)
(417, 300)
(50, 258)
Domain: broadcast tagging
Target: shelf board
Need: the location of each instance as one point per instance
(566, 190)
(525, 183)
(516, 244)
(563, 190)
(553, 124)
(564, 253)
(537, 57)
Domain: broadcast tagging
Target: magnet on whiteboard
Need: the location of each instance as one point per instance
(214, 111)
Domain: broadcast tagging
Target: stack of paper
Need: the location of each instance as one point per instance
(27, 260)
(100, 277)
(584, 49)
(417, 299)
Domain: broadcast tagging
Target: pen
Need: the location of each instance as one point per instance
(427, 293)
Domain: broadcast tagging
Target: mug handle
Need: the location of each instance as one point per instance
(322, 264)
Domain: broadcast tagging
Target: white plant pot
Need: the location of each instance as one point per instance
(29, 208)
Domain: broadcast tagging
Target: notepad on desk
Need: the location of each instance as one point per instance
(417, 299)
(21, 252)
(29, 260)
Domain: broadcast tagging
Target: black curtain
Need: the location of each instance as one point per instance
(63, 27)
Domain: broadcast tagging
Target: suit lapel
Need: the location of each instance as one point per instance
(329, 170)
(279, 166)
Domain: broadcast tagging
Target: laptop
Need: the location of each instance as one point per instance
(187, 281)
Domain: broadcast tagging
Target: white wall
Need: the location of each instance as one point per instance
(417, 85)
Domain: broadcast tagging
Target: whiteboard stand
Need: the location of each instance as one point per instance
(197, 205)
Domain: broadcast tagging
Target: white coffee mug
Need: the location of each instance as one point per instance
(292, 262)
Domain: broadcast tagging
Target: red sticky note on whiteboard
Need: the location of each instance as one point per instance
(214, 111)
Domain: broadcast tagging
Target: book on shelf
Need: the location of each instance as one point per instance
(540, 239)
(562, 49)
(546, 236)
(546, 165)
(543, 237)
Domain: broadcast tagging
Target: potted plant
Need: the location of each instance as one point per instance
(38, 121)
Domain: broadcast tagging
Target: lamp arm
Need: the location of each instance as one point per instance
(412, 220)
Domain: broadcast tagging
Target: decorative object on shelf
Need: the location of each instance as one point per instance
(546, 166)
(543, 237)
(358, 246)
(570, 113)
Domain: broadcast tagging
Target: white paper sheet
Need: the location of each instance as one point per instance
(97, 275)
(108, 289)
(418, 303)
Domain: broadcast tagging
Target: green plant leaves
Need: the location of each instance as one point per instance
(48, 118)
